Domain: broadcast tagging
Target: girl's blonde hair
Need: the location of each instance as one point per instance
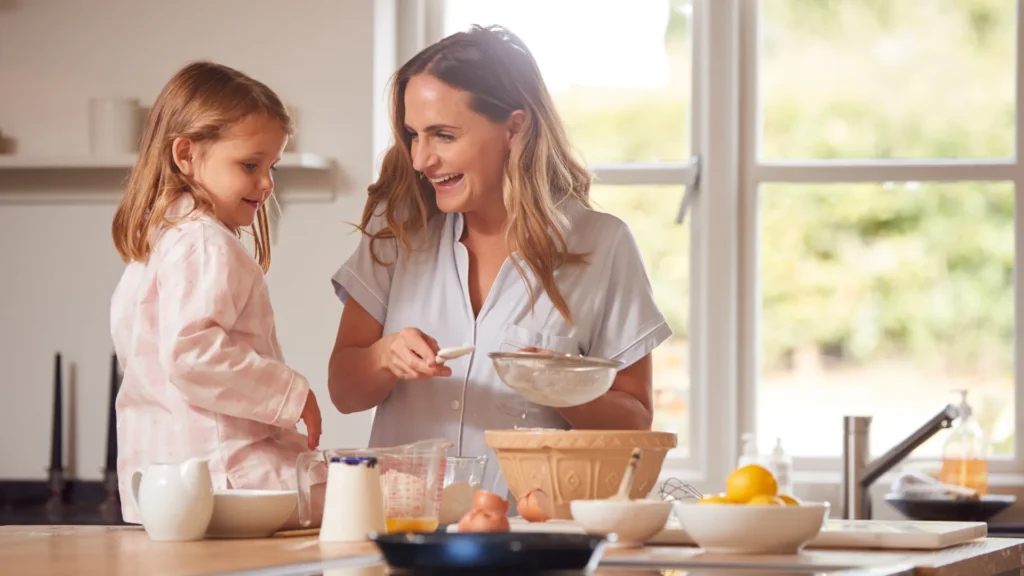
(200, 103)
(500, 73)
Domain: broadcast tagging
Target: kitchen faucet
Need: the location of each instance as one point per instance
(859, 474)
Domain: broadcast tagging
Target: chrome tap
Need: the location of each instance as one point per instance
(859, 474)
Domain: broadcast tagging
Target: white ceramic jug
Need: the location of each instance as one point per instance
(175, 501)
(354, 501)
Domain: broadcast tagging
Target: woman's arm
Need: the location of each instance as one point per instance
(626, 406)
(357, 377)
(365, 365)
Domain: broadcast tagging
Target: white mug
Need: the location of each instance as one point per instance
(113, 126)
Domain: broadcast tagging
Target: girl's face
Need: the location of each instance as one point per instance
(236, 170)
(461, 151)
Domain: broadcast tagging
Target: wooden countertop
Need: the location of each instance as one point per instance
(88, 550)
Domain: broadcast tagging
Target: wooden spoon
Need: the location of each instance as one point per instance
(627, 477)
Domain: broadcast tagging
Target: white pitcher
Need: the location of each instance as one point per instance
(354, 502)
(175, 501)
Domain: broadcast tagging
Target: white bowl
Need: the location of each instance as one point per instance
(746, 529)
(250, 513)
(632, 521)
(556, 380)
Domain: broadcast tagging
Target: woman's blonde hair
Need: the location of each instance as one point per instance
(201, 102)
(495, 67)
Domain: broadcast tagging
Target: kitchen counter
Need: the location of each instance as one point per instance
(88, 550)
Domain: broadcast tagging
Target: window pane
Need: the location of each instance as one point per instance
(619, 72)
(887, 79)
(650, 212)
(881, 300)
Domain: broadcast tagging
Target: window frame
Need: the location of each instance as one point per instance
(757, 172)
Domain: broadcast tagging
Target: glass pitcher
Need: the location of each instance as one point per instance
(412, 481)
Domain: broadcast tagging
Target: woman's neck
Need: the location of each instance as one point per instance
(484, 225)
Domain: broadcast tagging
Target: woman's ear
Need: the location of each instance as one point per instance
(515, 123)
(183, 150)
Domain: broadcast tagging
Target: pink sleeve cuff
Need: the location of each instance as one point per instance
(293, 403)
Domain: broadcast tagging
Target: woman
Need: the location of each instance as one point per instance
(479, 232)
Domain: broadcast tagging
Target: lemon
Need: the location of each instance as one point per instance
(749, 481)
(714, 499)
(789, 500)
(765, 500)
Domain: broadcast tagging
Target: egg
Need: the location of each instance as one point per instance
(534, 506)
(483, 520)
(484, 500)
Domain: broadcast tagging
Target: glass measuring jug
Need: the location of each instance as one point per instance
(412, 479)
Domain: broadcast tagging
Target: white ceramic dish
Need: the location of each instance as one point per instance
(634, 522)
(746, 529)
(250, 513)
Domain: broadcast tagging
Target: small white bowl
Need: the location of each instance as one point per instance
(746, 529)
(250, 513)
(632, 521)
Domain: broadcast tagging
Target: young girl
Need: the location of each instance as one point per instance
(191, 317)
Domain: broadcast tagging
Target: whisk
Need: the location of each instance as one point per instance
(676, 489)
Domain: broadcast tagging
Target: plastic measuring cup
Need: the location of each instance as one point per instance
(412, 478)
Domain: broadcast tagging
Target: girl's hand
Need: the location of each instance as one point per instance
(409, 354)
(311, 416)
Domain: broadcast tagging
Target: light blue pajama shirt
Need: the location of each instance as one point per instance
(426, 288)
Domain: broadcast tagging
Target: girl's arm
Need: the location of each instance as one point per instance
(202, 289)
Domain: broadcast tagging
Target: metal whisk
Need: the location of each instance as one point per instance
(676, 489)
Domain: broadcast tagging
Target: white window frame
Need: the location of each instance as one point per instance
(756, 172)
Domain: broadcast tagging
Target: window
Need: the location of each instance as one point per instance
(852, 245)
(626, 104)
(883, 239)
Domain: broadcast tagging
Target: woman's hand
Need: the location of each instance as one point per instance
(311, 416)
(535, 350)
(409, 355)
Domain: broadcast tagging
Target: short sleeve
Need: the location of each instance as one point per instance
(364, 279)
(628, 324)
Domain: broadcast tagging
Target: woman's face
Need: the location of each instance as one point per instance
(461, 151)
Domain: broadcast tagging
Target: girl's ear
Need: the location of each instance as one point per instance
(183, 150)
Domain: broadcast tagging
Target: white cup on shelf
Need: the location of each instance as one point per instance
(113, 126)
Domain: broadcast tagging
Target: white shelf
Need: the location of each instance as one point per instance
(290, 160)
(99, 179)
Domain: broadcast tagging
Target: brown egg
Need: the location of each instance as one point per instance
(484, 500)
(535, 506)
(483, 521)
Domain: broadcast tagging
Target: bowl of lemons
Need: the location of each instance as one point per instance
(751, 516)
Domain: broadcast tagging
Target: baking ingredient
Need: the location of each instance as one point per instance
(714, 499)
(789, 500)
(402, 525)
(456, 500)
(535, 506)
(404, 494)
(483, 520)
(484, 500)
(749, 481)
(765, 500)
(752, 484)
(487, 515)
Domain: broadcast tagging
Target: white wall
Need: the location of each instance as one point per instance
(58, 266)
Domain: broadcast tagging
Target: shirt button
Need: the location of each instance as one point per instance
(455, 404)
